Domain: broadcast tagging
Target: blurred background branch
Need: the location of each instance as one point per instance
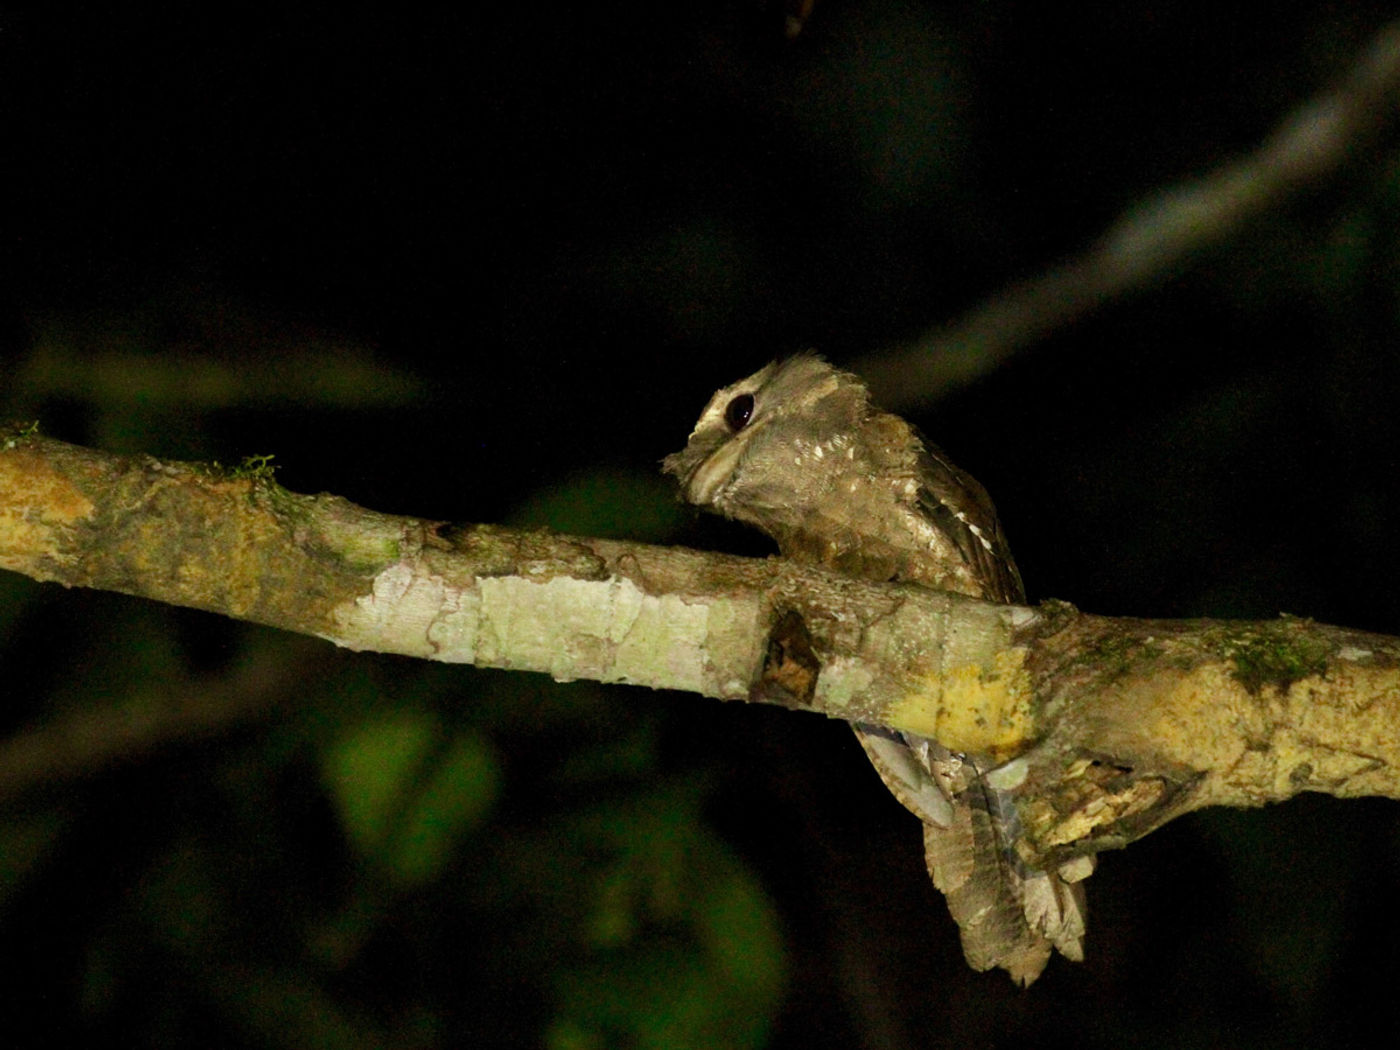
(1154, 236)
(90, 740)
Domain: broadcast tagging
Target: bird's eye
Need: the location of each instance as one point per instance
(739, 411)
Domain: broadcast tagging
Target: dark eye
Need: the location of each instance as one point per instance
(738, 412)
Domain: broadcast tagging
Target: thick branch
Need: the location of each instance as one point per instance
(1110, 726)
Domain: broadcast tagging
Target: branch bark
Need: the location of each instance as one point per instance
(1106, 727)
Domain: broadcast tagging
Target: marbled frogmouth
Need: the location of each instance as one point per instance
(798, 450)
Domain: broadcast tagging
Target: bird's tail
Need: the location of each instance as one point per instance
(1009, 914)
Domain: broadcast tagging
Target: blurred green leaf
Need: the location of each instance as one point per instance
(682, 946)
(403, 799)
(370, 768)
(741, 932)
(458, 795)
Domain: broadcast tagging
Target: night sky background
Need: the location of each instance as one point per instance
(488, 265)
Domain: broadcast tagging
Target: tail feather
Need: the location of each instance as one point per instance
(1008, 914)
(1038, 909)
(982, 900)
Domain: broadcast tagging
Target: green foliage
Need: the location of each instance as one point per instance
(404, 796)
(674, 944)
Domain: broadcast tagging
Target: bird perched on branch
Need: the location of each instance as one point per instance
(798, 450)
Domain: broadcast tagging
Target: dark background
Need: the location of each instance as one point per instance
(488, 265)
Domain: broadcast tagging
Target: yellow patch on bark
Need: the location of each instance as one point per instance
(972, 709)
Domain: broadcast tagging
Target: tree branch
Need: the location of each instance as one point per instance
(1106, 728)
(1153, 236)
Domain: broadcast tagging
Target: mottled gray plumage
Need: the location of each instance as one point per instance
(798, 450)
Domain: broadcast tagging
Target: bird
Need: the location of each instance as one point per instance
(799, 450)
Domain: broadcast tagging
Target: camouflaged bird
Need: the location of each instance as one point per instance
(798, 450)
